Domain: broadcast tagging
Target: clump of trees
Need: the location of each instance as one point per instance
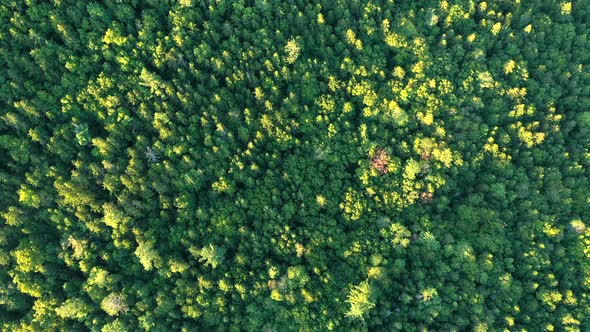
(294, 165)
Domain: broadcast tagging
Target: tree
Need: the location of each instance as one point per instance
(114, 304)
(211, 255)
(360, 299)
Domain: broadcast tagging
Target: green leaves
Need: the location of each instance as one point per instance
(485, 80)
(292, 50)
(360, 299)
(74, 308)
(242, 165)
(397, 235)
(147, 254)
(210, 255)
(82, 134)
(352, 205)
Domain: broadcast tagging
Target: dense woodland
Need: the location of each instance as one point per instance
(257, 165)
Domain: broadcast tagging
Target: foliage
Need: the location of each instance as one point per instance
(294, 165)
(360, 301)
(114, 304)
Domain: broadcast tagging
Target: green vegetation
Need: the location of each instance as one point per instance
(256, 165)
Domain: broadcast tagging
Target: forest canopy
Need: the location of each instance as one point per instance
(256, 165)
